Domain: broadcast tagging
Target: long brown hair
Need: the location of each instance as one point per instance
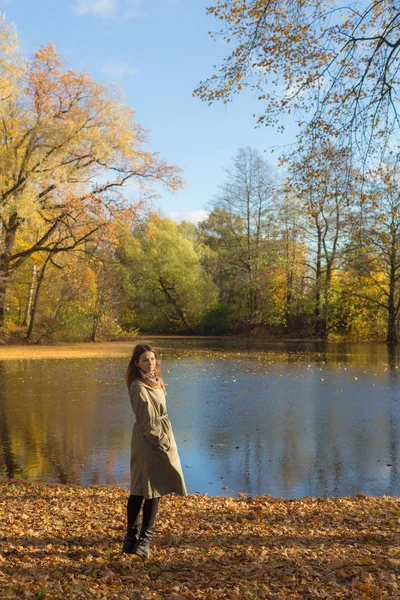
(133, 371)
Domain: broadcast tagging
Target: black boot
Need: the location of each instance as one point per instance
(143, 547)
(131, 539)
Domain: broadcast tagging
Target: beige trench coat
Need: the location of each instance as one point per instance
(155, 466)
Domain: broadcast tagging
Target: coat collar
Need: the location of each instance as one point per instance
(146, 385)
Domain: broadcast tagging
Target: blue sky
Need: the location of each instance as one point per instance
(157, 51)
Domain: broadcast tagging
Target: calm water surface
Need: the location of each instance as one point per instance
(289, 420)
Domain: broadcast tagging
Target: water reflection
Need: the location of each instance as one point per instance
(9, 461)
(288, 420)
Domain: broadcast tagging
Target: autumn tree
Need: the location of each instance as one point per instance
(69, 148)
(326, 185)
(76, 295)
(373, 251)
(218, 232)
(164, 279)
(242, 214)
(64, 299)
(292, 273)
(12, 64)
(334, 65)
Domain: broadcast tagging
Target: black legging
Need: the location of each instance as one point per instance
(149, 510)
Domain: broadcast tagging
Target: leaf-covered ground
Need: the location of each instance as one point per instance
(64, 542)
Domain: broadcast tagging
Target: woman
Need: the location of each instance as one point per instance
(155, 466)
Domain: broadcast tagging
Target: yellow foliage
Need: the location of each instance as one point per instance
(68, 147)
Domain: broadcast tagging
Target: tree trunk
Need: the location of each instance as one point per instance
(166, 289)
(5, 261)
(330, 260)
(392, 329)
(392, 313)
(325, 310)
(289, 289)
(95, 325)
(251, 291)
(318, 282)
(98, 308)
(32, 322)
(30, 297)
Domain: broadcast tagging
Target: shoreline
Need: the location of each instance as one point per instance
(62, 541)
(123, 348)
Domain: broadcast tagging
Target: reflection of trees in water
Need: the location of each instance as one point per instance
(328, 462)
(321, 349)
(356, 354)
(48, 427)
(309, 439)
(10, 465)
(57, 458)
(248, 464)
(57, 420)
(338, 470)
(272, 456)
(254, 463)
(392, 350)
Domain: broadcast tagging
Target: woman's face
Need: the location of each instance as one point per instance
(147, 362)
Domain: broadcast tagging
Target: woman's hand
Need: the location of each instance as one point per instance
(164, 444)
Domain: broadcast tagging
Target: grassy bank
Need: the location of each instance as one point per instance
(73, 350)
(64, 542)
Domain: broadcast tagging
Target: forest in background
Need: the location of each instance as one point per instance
(285, 258)
(309, 249)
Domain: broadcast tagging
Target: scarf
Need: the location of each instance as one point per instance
(151, 379)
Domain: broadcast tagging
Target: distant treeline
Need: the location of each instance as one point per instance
(313, 255)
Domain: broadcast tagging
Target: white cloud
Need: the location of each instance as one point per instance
(118, 69)
(95, 7)
(193, 216)
(127, 9)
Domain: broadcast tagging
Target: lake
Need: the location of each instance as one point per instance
(288, 419)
